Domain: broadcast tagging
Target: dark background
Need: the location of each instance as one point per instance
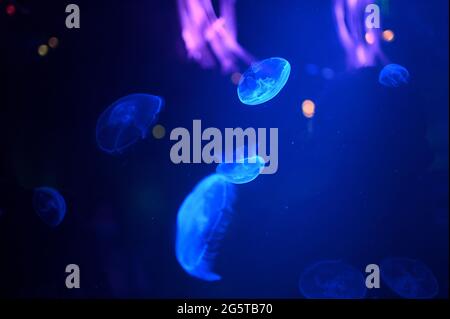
(368, 181)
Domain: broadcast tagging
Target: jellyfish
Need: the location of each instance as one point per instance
(394, 76)
(202, 220)
(49, 205)
(211, 38)
(126, 121)
(409, 278)
(242, 171)
(360, 42)
(332, 279)
(263, 81)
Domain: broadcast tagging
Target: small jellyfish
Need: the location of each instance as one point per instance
(202, 220)
(409, 278)
(263, 81)
(242, 171)
(49, 205)
(394, 76)
(332, 279)
(126, 121)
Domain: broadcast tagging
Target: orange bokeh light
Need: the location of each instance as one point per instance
(308, 108)
(370, 38)
(388, 35)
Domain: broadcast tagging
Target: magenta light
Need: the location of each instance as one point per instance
(350, 22)
(210, 39)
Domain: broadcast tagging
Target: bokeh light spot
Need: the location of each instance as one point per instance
(53, 42)
(159, 131)
(308, 108)
(236, 77)
(327, 73)
(370, 38)
(43, 50)
(10, 9)
(388, 35)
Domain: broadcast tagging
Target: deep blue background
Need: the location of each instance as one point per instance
(370, 180)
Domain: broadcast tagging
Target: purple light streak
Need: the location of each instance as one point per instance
(362, 45)
(210, 39)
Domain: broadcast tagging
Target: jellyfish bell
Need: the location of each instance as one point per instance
(394, 76)
(242, 171)
(409, 278)
(263, 81)
(201, 222)
(332, 279)
(49, 205)
(126, 121)
(123, 113)
(242, 165)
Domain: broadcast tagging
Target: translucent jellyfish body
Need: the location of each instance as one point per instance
(242, 171)
(49, 205)
(202, 220)
(263, 81)
(409, 278)
(394, 75)
(332, 280)
(126, 121)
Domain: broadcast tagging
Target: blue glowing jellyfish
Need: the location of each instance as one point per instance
(242, 171)
(332, 279)
(409, 278)
(126, 121)
(263, 81)
(202, 220)
(394, 76)
(49, 205)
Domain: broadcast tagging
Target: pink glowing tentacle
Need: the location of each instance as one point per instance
(228, 13)
(210, 39)
(352, 30)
